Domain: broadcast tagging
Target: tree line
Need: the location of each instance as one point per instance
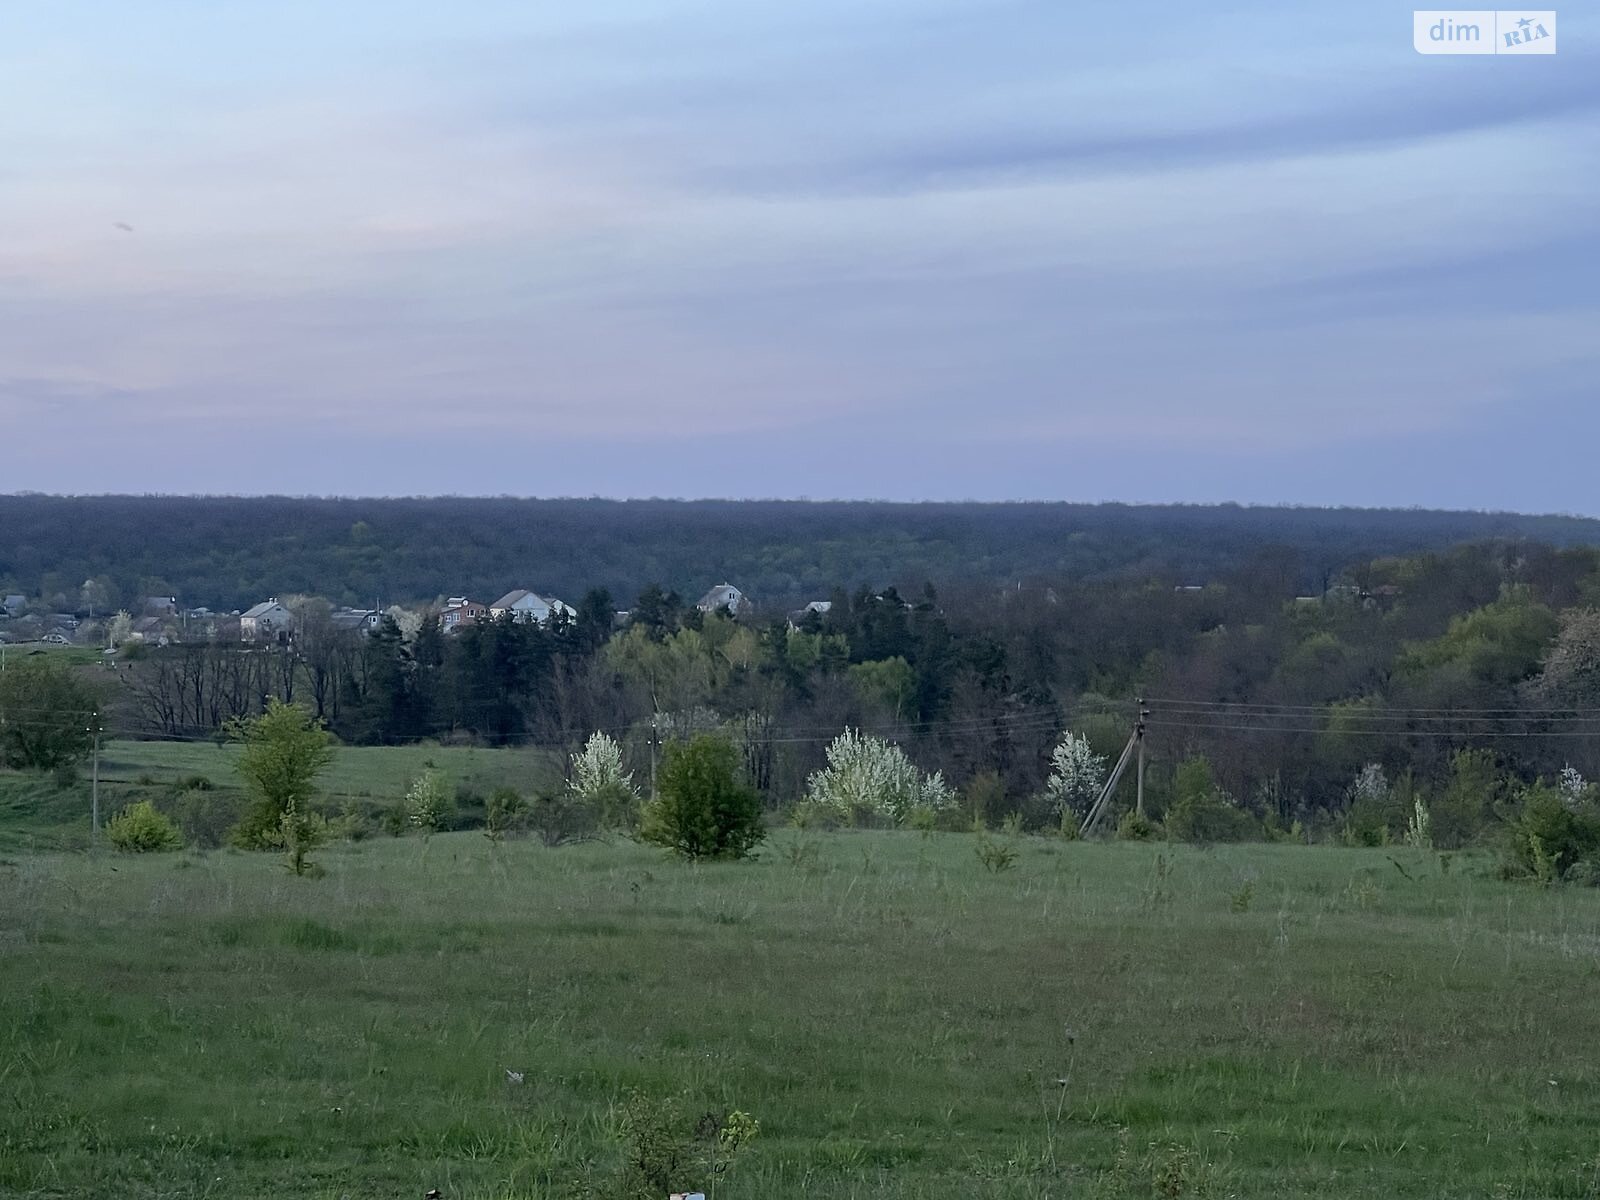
(230, 552)
(1490, 650)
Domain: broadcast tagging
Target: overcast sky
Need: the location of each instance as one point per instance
(842, 248)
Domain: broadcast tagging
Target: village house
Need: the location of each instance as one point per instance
(800, 616)
(460, 612)
(268, 621)
(725, 595)
(153, 631)
(355, 620)
(524, 605)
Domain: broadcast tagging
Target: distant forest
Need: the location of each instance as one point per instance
(230, 552)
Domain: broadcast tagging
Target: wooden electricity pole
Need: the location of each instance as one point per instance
(94, 784)
(1133, 750)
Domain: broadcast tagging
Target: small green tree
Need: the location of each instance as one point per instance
(704, 810)
(502, 814)
(284, 752)
(47, 716)
(300, 831)
(141, 828)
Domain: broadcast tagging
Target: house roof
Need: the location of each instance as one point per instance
(262, 609)
(511, 598)
(719, 596)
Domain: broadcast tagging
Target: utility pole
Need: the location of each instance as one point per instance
(1133, 750)
(94, 784)
(1138, 732)
(655, 746)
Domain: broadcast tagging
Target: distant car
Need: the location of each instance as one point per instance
(56, 639)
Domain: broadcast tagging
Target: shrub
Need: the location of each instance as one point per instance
(1549, 839)
(205, 817)
(142, 829)
(1201, 811)
(352, 824)
(1419, 830)
(995, 856)
(668, 1150)
(562, 818)
(300, 831)
(704, 810)
(502, 814)
(869, 779)
(429, 802)
(1136, 828)
(986, 798)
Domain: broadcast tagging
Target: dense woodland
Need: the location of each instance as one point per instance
(1464, 676)
(1298, 665)
(228, 553)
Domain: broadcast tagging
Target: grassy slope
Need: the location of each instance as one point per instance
(359, 772)
(894, 1016)
(38, 814)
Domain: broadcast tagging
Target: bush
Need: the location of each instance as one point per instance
(868, 781)
(985, 799)
(1136, 828)
(300, 831)
(502, 814)
(1201, 812)
(205, 817)
(141, 828)
(1548, 839)
(430, 802)
(562, 818)
(704, 810)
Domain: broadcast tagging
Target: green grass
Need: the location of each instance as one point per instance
(895, 1016)
(357, 772)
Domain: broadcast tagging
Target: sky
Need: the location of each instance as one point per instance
(942, 249)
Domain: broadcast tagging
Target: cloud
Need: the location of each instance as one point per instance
(908, 248)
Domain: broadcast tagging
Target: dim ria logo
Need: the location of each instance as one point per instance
(1483, 31)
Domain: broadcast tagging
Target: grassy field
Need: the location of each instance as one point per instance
(1100, 1020)
(40, 814)
(357, 772)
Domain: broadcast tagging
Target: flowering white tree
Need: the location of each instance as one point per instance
(1370, 784)
(410, 622)
(119, 629)
(1574, 787)
(1419, 830)
(429, 801)
(597, 773)
(1077, 774)
(867, 774)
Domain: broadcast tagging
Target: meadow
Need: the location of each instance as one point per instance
(40, 814)
(1110, 1019)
